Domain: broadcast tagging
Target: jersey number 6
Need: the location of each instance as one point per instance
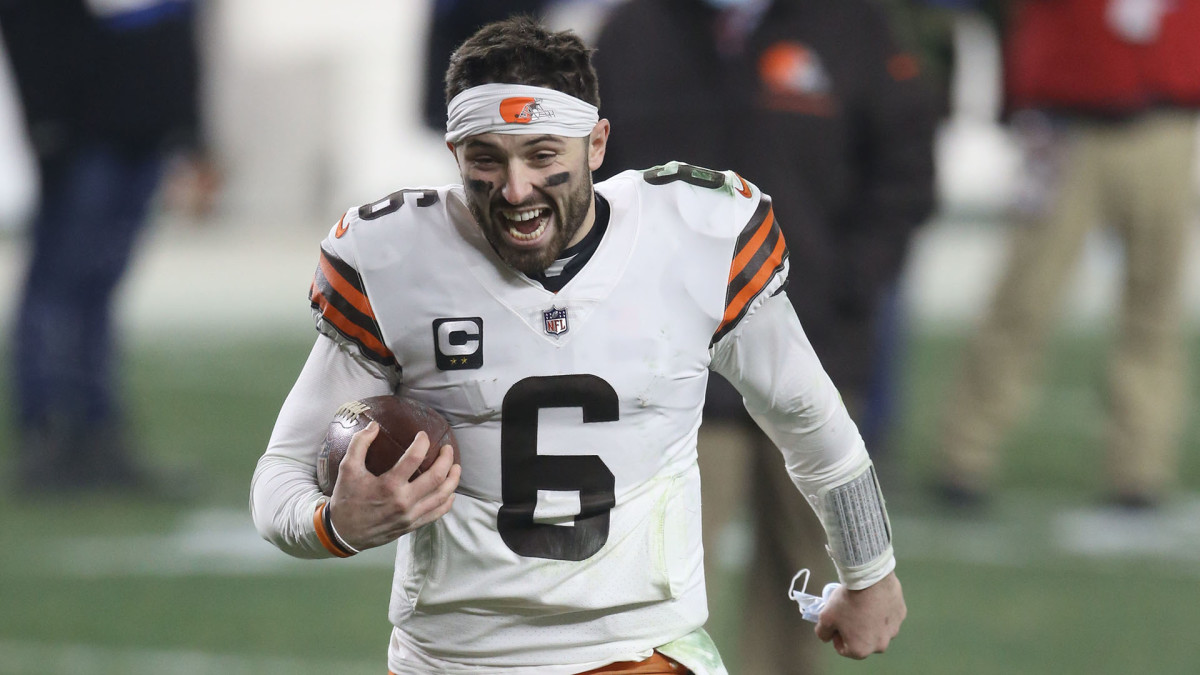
(523, 472)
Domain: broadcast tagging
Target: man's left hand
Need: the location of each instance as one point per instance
(863, 622)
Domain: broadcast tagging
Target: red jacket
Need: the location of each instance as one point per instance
(1065, 54)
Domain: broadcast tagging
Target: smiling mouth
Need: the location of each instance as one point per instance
(526, 225)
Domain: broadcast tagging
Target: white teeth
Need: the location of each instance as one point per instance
(521, 216)
(517, 217)
(521, 236)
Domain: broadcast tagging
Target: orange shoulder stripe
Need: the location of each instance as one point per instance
(347, 290)
(760, 235)
(348, 327)
(755, 285)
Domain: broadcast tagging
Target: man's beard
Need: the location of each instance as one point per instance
(567, 224)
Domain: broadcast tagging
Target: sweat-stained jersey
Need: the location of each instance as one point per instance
(574, 538)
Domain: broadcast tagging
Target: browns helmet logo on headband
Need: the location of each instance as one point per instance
(518, 109)
(523, 110)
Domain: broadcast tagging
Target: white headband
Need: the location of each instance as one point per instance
(518, 109)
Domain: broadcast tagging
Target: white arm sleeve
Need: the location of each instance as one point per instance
(283, 492)
(787, 392)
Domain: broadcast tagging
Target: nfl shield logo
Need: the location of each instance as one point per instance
(555, 320)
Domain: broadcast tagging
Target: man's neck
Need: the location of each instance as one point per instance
(588, 221)
(573, 258)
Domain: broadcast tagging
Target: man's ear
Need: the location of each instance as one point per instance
(450, 147)
(597, 143)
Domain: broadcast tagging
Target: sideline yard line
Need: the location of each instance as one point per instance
(1022, 531)
(1026, 535)
(207, 542)
(37, 658)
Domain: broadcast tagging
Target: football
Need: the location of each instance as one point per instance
(399, 418)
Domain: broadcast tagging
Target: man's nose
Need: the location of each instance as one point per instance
(518, 184)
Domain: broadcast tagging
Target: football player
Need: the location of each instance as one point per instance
(566, 330)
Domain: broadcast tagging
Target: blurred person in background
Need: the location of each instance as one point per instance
(1103, 96)
(816, 100)
(109, 90)
(450, 24)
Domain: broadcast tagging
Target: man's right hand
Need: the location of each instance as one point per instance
(370, 510)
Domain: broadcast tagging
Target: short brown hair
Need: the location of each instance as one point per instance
(520, 50)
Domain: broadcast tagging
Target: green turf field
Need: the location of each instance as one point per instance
(1042, 583)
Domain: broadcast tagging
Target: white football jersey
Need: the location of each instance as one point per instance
(576, 530)
(574, 540)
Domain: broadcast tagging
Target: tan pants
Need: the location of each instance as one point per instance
(739, 465)
(1135, 177)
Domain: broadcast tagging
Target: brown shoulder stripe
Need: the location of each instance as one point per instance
(340, 277)
(752, 237)
(336, 292)
(758, 257)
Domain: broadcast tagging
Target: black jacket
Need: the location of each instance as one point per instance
(81, 80)
(822, 110)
